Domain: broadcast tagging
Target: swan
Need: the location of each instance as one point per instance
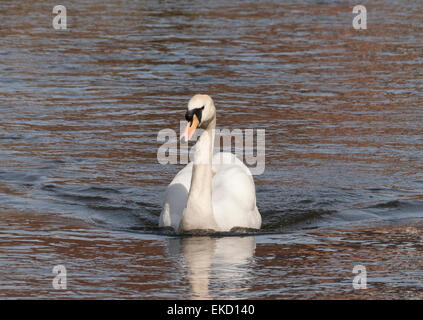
(214, 192)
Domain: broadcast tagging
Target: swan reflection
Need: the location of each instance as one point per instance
(222, 264)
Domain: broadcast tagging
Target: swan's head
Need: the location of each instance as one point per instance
(200, 113)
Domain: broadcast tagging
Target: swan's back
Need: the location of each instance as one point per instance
(176, 198)
(233, 195)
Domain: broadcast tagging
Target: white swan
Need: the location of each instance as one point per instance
(221, 188)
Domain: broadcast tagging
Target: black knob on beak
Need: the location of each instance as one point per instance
(189, 115)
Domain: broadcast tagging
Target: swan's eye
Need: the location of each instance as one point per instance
(188, 115)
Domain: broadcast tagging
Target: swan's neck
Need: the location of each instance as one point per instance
(198, 213)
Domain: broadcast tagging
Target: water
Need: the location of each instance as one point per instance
(80, 110)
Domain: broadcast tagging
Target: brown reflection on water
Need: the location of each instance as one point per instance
(321, 267)
(314, 265)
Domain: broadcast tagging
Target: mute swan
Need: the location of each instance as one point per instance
(221, 188)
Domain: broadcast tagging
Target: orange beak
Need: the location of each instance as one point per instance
(190, 128)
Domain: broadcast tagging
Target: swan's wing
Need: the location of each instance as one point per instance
(234, 195)
(176, 198)
(222, 160)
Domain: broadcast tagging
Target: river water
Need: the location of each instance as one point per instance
(81, 108)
